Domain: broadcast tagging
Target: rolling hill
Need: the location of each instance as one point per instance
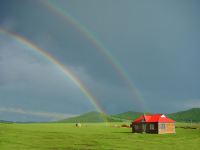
(5, 121)
(182, 116)
(98, 117)
(129, 115)
(186, 116)
(92, 117)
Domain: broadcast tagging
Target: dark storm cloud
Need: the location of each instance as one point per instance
(157, 43)
(29, 82)
(60, 38)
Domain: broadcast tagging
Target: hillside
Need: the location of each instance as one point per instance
(91, 117)
(182, 116)
(130, 115)
(4, 121)
(98, 117)
(186, 116)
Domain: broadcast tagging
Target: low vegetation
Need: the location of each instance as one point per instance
(115, 135)
(100, 136)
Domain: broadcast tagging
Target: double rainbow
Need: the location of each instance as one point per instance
(136, 96)
(64, 68)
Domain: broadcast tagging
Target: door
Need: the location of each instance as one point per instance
(144, 127)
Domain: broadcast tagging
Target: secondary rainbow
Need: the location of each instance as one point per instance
(66, 70)
(105, 52)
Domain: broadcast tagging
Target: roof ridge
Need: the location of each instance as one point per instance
(154, 118)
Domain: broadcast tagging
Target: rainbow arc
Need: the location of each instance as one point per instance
(64, 68)
(136, 96)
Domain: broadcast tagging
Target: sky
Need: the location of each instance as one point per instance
(154, 43)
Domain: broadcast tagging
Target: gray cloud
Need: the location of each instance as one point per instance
(28, 80)
(52, 116)
(156, 42)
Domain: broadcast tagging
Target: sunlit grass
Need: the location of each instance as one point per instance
(65, 136)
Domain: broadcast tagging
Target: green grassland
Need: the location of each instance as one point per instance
(65, 136)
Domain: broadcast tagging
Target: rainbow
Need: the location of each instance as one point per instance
(99, 46)
(66, 70)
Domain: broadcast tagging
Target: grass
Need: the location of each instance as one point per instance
(65, 136)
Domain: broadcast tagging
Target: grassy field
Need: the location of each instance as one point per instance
(65, 136)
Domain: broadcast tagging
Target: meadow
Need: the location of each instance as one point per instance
(91, 136)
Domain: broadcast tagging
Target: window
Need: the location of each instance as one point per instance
(162, 126)
(136, 127)
(151, 126)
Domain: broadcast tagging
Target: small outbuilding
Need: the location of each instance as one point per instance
(157, 123)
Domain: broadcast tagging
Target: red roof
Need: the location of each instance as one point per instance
(153, 118)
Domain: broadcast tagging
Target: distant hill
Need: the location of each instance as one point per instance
(91, 117)
(182, 116)
(4, 121)
(129, 115)
(186, 116)
(99, 117)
